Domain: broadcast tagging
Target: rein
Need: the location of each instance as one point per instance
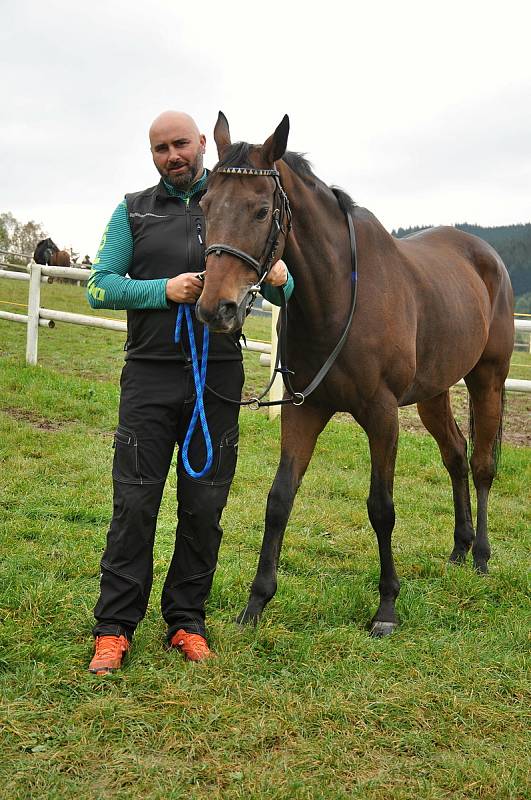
(262, 268)
(282, 339)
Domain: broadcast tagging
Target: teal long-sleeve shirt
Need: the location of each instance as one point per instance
(109, 285)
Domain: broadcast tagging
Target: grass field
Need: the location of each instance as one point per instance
(307, 705)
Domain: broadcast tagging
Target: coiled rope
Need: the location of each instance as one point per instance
(199, 381)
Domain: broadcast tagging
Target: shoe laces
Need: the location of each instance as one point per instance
(108, 645)
(193, 642)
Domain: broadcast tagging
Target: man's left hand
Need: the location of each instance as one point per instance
(278, 274)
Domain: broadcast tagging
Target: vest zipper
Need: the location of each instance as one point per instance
(198, 231)
(188, 233)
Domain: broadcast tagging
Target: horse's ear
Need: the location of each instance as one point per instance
(222, 134)
(275, 147)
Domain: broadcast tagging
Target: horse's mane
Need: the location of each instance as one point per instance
(49, 243)
(237, 155)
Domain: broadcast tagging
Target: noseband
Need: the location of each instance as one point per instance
(280, 224)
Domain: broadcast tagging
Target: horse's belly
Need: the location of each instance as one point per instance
(445, 354)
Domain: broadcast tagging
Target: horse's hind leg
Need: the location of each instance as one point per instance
(436, 414)
(486, 386)
(301, 425)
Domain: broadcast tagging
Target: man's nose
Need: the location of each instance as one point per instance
(174, 154)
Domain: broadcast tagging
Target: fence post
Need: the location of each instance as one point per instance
(277, 390)
(34, 303)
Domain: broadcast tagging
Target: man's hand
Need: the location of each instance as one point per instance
(278, 274)
(184, 288)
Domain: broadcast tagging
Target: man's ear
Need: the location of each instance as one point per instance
(275, 147)
(222, 134)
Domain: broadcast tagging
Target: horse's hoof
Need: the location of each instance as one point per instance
(380, 629)
(247, 617)
(457, 558)
(481, 567)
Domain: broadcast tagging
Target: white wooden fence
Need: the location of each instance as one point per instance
(47, 317)
(38, 316)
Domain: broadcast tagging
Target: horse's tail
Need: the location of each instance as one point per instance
(497, 444)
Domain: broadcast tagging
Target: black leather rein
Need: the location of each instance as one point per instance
(281, 213)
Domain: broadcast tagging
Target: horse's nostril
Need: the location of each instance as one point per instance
(200, 313)
(220, 318)
(227, 310)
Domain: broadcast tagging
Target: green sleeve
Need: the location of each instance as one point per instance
(108, 285)
(271, 293)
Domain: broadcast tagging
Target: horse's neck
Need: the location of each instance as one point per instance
(317, 253)
(316, 225)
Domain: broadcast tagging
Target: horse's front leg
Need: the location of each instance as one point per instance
(301, 425)
(381, 426)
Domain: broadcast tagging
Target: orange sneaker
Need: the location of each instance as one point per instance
(109, 652)
(193, 646)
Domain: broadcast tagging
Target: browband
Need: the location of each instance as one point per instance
(248, 171)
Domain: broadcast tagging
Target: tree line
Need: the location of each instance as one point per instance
(22, 238)
(512, 242)
(19, 237)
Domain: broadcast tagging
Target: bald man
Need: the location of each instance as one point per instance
(148, 263)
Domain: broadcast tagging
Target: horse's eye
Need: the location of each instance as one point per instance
(262, 214)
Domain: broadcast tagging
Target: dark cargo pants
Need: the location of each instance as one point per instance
(156, 403)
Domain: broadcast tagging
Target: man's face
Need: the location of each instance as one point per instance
(177, 152)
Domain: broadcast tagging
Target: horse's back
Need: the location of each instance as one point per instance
(451, 242)
(459, 266)
(62, 259)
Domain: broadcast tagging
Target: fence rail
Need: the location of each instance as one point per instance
(25, 256)
(37, 316)
(36, 274)
(12, 317)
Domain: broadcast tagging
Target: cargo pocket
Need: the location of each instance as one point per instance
(125, 468)
(225, 459)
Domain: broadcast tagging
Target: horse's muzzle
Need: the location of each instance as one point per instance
(227, 317)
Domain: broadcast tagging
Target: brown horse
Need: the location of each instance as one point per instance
(431, 309)
(47, 252)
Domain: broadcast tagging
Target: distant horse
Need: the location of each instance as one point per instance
(431, 309)
(48, 253)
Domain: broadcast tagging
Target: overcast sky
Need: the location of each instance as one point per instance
(421, 110)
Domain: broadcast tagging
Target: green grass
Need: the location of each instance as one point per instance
(307, 705)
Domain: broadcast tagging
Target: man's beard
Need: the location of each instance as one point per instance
(185, 179)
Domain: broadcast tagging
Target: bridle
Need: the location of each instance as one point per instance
(280, 224)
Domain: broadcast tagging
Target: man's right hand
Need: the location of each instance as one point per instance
(184, 288)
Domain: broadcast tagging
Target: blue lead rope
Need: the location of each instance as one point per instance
(199, 381)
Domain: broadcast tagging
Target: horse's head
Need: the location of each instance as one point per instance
(44, 251)
(247, 219)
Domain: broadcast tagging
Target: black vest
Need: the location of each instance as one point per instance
(168, 240)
